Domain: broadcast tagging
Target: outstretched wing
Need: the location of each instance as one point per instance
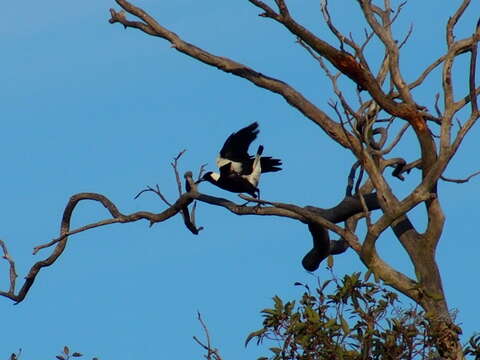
(236, 146)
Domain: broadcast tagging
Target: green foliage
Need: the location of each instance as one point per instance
(357, 320)
(66, 354)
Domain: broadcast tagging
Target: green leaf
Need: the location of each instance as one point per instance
(330, 323)
(257, 333)
(289, 307)
(345, 327)
(66, 350)
(276, 350)
(367, 275)
(77, 354)
(312, 315)
(278, 303)
(325, 284)
(269, 311)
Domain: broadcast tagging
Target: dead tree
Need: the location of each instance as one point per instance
(385, 99)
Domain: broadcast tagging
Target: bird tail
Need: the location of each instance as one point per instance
(254, 177)
(260, 150)
(257, 163)
(270, 164)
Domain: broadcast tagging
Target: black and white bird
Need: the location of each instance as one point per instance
(239, 171)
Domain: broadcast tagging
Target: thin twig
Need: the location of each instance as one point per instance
(409, 33)
(212, 354)
(269, 12)
(175, 169)
(156, 191)
(366, 212)
(396, 140)
(425, 73)
(201, 171)
(189, 220)
(460, 181)
(115, 220)
(437, 107)
(13, 273)
(359, 180)
(368, 37)
(453, 21)
(351, 178)
(333, 78)
(473, 66)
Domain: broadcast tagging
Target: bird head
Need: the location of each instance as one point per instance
(210, 177)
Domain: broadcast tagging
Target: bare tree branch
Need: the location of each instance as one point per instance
(342, 38)
(385, 35)
(174, 165)
(13, 273)
(473, 67)
(427, 72)
(396, 140)
(155, 191)
(212, 354)
(460, 181)
(312, 216)
(152, 27)
(269, 12)
(450, 37)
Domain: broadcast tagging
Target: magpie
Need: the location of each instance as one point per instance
(239, 171)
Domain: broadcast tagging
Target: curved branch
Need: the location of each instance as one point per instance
(310, 215)
(460, 181)
(61, 241)
(453, 21)
(150, 26)
(13, 273)
(347, 64)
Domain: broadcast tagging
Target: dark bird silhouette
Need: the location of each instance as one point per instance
(239, 171)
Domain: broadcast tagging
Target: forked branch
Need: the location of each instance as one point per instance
(150, 26)
(318, 220)
(212, 353)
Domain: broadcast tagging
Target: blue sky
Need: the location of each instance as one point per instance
(89, 106)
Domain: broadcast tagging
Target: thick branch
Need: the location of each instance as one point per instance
(364, 79)
(347, 64)
(309, 215)
(293, 97)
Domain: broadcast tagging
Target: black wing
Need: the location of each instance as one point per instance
(226, 171)
(236, 146)
(231, 181)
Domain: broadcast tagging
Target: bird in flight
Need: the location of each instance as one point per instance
(239, 171)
